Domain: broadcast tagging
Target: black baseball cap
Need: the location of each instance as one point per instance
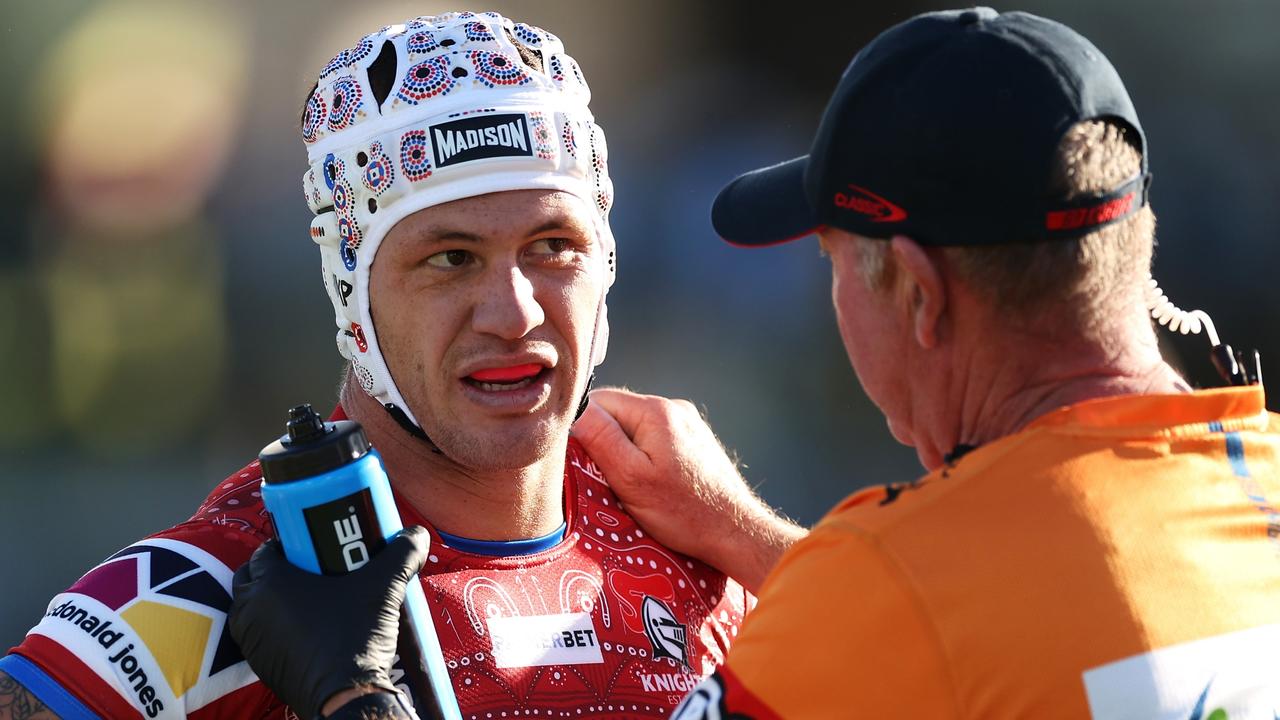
(945, 129)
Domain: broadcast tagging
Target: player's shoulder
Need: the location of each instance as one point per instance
(698, 590)
(589, 483)
(145, 630)
(236, 504)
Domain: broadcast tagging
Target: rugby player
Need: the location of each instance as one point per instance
(461, 193)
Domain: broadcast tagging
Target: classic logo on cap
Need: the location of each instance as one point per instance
(477, 138)
(1100, 214)
(666, 634)
(865, 202)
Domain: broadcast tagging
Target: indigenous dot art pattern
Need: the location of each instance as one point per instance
(360, 51)
(577, 71)
(557, 69)
(379, 173)
(495, 69)
(312, 118)
(478, 111)
(341, 191)
(415, 157)
(427, 79)
(477, 32)
(347, 99)
(343, 199)
(604, 196)
(310, 190)
(423, 41)
(364, 376)
(338, 62)
(542, 144)
(528, 35)
(570, 142)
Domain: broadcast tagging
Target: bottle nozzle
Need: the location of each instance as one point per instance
(304, 424)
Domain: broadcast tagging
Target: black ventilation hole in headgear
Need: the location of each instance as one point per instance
(382, 73)
(362, 159)
(373, 205)
(447, 42)
(459, 72)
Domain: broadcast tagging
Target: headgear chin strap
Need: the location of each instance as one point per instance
(464, 116)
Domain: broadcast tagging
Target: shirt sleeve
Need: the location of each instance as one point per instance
(36, 681)
(838, 632)
(144, 634)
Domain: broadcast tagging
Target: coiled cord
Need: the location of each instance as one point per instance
(1176, 319)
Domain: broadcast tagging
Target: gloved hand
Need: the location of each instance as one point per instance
(310, 636)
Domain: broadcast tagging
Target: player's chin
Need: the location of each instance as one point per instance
(511, 443)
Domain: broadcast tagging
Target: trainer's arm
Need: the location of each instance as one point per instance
(673, 476)
(19, 703)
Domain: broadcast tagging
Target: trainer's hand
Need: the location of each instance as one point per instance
(310, 637)
(669, 470)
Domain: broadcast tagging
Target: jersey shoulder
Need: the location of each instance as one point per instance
(144, 634)
(652, 582)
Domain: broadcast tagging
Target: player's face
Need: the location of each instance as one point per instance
(485, 309)
(872, 332)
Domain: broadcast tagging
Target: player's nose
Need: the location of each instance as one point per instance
(507, 307)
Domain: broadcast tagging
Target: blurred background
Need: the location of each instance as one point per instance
(161, 304)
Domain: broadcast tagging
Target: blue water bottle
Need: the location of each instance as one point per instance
(332, 507)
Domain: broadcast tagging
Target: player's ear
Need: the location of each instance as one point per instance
(920, 281)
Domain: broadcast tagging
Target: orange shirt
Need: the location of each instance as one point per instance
(1116, 558)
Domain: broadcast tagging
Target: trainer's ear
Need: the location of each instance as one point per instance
(921, 281)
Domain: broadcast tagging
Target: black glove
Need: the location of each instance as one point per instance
(309, 636)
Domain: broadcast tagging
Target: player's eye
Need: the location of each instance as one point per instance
(550, 246)
(449, 259)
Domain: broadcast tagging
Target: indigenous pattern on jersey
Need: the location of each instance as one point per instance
(605, 624)
(1119, 558)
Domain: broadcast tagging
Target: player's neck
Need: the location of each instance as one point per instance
(507, 504)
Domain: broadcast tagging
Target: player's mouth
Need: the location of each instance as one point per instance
(507, 378)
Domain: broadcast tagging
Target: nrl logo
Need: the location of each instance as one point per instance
(665, 633)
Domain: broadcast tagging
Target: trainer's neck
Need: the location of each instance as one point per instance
(508, 504)
(1010, 380)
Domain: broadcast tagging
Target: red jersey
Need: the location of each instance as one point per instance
(607, 623)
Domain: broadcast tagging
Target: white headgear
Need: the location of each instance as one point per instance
(464, 116)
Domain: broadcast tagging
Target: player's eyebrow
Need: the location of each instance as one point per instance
(560, 222)
(448, 234)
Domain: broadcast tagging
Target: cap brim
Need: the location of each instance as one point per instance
(765, 207)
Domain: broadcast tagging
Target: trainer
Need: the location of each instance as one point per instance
(1093, 538)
